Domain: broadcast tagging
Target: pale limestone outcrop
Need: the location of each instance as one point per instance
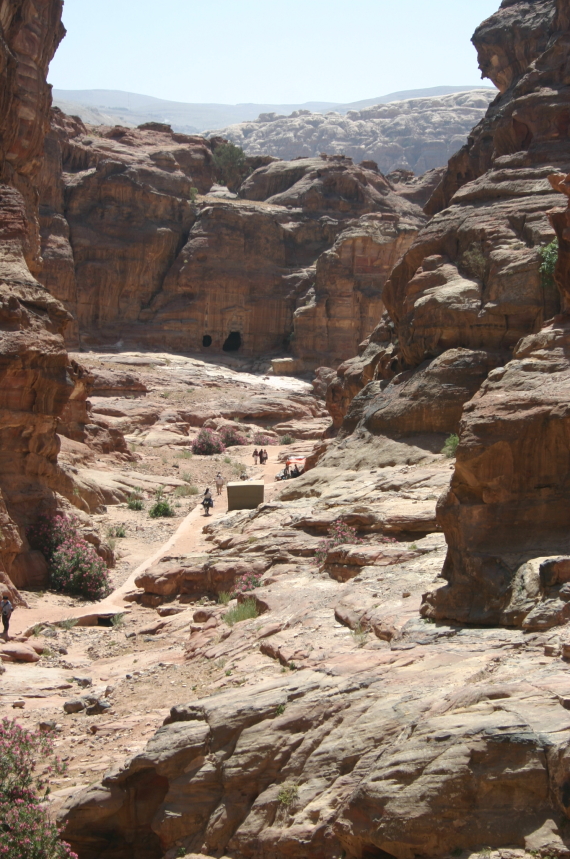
(416, 134)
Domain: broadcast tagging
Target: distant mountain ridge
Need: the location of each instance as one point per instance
(117, 107)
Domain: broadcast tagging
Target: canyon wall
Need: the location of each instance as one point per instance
(467, 345)
(427, 739)
(35, 375)
(141, 260)
(471, 279)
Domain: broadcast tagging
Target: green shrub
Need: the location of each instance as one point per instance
(549, 257)
(243, 611)
(288, 794)
(246, 583)
(68, 623)
(287, 439)
(161, 508)
(232, 437)
(185, 454)
(50, 531)
(231, 165)
(450, 446)
(474, 262)
(264, 440)
(134, 503)
(193, 194)
(360, 636)
(117, 531)
(207, 442)
(224, 597)
(74, 565)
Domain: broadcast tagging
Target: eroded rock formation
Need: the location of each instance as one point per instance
(35, 376)
(161, 271)
(506, 513)
(471, 279)
(417, 134)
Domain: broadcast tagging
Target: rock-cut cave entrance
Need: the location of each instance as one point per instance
(232, 342)
(206, 340)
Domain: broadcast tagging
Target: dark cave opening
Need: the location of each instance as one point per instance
(232, 342)
(206, 340)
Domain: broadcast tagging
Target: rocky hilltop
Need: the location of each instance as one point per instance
(417, 134)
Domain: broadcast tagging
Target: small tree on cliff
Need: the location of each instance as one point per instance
(230, 162)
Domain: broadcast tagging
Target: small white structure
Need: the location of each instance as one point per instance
(286, 366)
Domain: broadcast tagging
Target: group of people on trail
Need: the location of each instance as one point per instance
(6, 608)
(207, 502)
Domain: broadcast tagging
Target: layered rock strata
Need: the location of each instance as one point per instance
(160, 269)
(506, 512)
(35, 375)
(348, 726)
(471, 279)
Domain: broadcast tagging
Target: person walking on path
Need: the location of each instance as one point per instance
(207, 501)
(262, 456)
(255, 455)
(7, 609)
(219, 482)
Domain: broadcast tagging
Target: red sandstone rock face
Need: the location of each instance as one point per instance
(508, 503)
(261, 259)
(158, 271)
(346, 300)
(471, 278)
(35, 378)
(505, 515)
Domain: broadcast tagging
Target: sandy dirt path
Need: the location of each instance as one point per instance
(187, 539)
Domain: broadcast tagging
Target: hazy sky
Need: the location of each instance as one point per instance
(272, 51)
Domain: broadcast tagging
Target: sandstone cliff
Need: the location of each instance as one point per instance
(417, 134)
(139, 261)
(35, 376)
(471, 279)
(467, 297)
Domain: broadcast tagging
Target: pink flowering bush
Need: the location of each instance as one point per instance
(231, 436)
(207, 442)
(263, 439)
(246, 583)
(27, 832)
(339, 533)
(50, 531)
(75, 567)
